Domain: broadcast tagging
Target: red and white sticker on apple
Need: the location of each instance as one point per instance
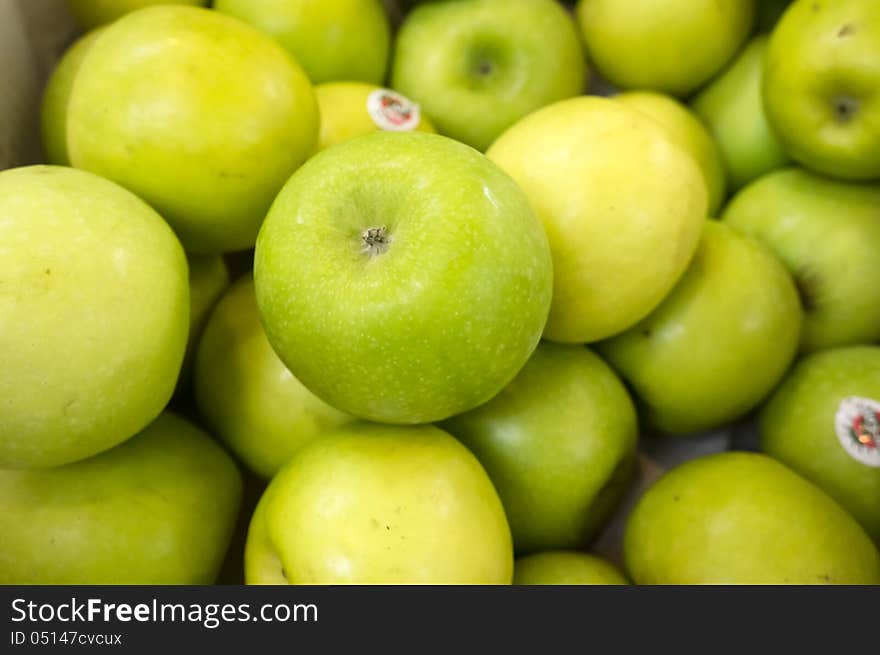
(857, 424)
(393, 112)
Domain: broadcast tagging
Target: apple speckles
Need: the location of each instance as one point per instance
(847, 30)
(845, 108)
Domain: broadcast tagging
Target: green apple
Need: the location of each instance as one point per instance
(565, 568)
(202, 116)
(719, 343)
(403, 277)
(336, 40)
(208, 279)
(689, 134)
(350, 109)
(53, 114)
(246, 395)
(821, 76)
(828, 235)
(743, 518)
(158, 509)
(478, 66)
(732, 107)
(372, 504)
(559, 443)
(824, 423)
(92, 13)
(673, 46)
(622, 206)
(94, 312)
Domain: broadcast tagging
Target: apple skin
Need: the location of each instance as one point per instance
(559, 443)
(733, 109)
(743, 518)
(93, 13)
(828, 235)
(820, 86)
(798, 427)
(478, 66)
(687, 132)
(199, 114)
(719, 343)
(344, 115)
(671, 46)
(338, 40)
(158, 509)
(94, 313)
(208, 279)
(622, 206)
(565, 568)
(431, 323)
(53, 113)
(373, 504)
(246, 395)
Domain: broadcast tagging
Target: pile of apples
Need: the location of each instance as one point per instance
(402, 267)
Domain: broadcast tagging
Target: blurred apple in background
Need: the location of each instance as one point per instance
(202, 116)
(687, 132)
(92, 13)
(719, 343)
(565, 568)
(350, 109)
(403, 277)
(94, 314)
(331, 39)
(478, 66)
(246, 395)
(622, 205)
(559, 444)
(824, 423)
(372, 504)
(820, 86)
(56, 95)
(828, 235)
(158, 509)
(673, 46)
(743, 518)
(733, 109)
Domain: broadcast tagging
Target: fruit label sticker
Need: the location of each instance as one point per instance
(393, 112)
(857, 424)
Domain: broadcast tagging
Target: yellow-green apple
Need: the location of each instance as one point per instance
(350, 109)
(673, 46)
(687, 132)
(92, 13)
(828, 235)
(373, 504)
(158, 509)
(478, 66)
(719, 343)
(403, 277)
(824, 423)
(208, 279)
(622, 206)
(338, 40)
(821, 75)
(565, 568)
(53, 113)
(743, 518)
(94, 312)
(559, 444)
(733, 109)
(246, 395)
(199, 114)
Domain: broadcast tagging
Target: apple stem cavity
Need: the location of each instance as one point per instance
(845, 108)
(376, 240)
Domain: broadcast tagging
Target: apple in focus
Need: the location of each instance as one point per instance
(566, 568)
